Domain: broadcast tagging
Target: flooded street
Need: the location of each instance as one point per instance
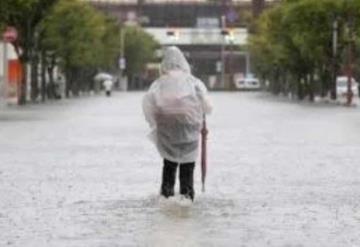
(81, 173)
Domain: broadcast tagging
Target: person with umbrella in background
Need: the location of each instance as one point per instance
(107, 81)
(174, 107)
(108, 85)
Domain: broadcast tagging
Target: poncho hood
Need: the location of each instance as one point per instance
(174, 59)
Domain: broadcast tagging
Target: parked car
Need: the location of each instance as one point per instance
(248, 84)
(342, 86)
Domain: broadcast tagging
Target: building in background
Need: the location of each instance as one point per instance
(212, 34)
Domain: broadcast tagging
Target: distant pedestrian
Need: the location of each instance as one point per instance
(174, 107)
(108, 85)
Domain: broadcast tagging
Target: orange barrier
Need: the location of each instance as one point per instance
(15, 75)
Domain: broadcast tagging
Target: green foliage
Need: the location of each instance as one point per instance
(139, 49)
(75, 38)
(25, 16)
(110, 45)
(295, 38)
(92, 40)
(81, 42)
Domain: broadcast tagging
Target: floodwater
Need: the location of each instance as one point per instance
(81, 173)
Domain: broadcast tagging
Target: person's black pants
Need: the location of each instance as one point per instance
(186, 177)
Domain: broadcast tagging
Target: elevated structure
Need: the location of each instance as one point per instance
(210, 33)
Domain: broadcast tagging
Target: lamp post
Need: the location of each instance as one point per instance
(248, 69)
(224, 33)
(334, 58)
(349, 70)
(122, 61)
(122, 64)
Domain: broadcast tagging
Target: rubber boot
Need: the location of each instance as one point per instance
(168, 178)
(187, 180)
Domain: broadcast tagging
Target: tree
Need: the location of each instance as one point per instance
(25, 16)
(81, 43)
(139, 50)
(111, 45)
(296, 38)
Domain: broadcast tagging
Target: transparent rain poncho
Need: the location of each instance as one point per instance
(174, 107)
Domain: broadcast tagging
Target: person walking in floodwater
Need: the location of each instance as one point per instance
(108, 85)
(174, 107)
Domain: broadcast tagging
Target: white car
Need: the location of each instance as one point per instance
(342, 86)
(248, 83)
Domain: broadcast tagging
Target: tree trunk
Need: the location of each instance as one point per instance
(311, 87)
(276, 81)
(68, 82)
(51, 86)
(324, 83)
(24, 58)
(23, 84)
(334, 70)
(285, 83)
(300, 88)
(43, 76)
(75, 81)
(306, 85)
(34, 77)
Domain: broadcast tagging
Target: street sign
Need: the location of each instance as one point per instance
(122, 63)
(232, 16)
(10, 34)
(219, 66)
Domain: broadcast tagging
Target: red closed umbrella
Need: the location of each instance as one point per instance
(204, 133)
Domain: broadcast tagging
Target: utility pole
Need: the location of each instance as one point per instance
(223, 26)
(224, 33)
(247, 64)
(334, 59)
(231, 62)
(122, 62)
(349, 69)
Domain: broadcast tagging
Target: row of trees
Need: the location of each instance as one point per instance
(73, 36)
(293, 45)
